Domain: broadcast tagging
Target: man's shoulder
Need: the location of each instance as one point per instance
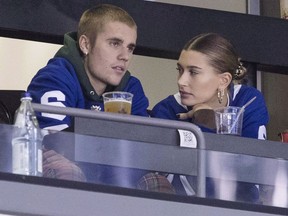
(132, 84)
(57, 66)
(58, 63)
(133, 79)
(56, 75)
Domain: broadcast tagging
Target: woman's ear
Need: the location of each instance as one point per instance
(225, 79)
(84, 44)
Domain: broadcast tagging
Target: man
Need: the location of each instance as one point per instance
(91, 62)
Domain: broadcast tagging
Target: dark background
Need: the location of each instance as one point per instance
(162, 28)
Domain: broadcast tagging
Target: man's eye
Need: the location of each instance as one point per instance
(115, 43)
(131, 49)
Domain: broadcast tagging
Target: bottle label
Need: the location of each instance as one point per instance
(20, 157)
(39, 165)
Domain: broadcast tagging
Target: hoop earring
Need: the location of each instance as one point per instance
(220, 95)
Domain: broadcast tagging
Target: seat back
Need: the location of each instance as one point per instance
(9, 103)
(284, 136)
(5, 117)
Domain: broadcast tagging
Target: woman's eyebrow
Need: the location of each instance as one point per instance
(189, 66)
(193, 67)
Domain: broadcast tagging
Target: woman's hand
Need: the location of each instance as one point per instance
(190, 114)
(202, 115)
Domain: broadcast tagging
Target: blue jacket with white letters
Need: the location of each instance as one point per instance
(254, 126)
(255, 118)
(63, 82)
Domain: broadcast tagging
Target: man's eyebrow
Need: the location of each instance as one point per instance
(115, 39)
(131, 45)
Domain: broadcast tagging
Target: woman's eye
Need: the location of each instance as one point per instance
(179, 70)
(193, 72)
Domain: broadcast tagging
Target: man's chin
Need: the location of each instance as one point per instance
(115, 83)
(115, 80)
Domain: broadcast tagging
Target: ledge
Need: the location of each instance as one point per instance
(163, 29)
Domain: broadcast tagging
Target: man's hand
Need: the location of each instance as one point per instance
(59, 167)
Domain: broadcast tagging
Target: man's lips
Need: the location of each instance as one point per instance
(120, 69)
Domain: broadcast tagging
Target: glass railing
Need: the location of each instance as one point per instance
(157, 167)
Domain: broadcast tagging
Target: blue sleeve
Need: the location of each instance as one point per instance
(140, 102)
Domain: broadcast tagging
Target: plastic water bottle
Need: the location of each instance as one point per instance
(26, 140)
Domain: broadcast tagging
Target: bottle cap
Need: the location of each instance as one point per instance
(26, 94)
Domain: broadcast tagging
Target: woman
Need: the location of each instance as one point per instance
(210, 75)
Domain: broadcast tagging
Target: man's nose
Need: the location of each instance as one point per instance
(124, 54)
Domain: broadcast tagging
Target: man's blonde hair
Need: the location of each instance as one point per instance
(94, 19)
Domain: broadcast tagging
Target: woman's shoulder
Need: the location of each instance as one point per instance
(243, 93)
(169, 107)
(246, 88)
(171, 100)
(257, 108)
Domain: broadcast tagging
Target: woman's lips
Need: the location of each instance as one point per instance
(184, 94)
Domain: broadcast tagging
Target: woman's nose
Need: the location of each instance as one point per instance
(182, 80)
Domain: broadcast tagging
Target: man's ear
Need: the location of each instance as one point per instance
(225, 79)
(84, 44)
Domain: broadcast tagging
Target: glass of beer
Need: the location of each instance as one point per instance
(118, 102)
